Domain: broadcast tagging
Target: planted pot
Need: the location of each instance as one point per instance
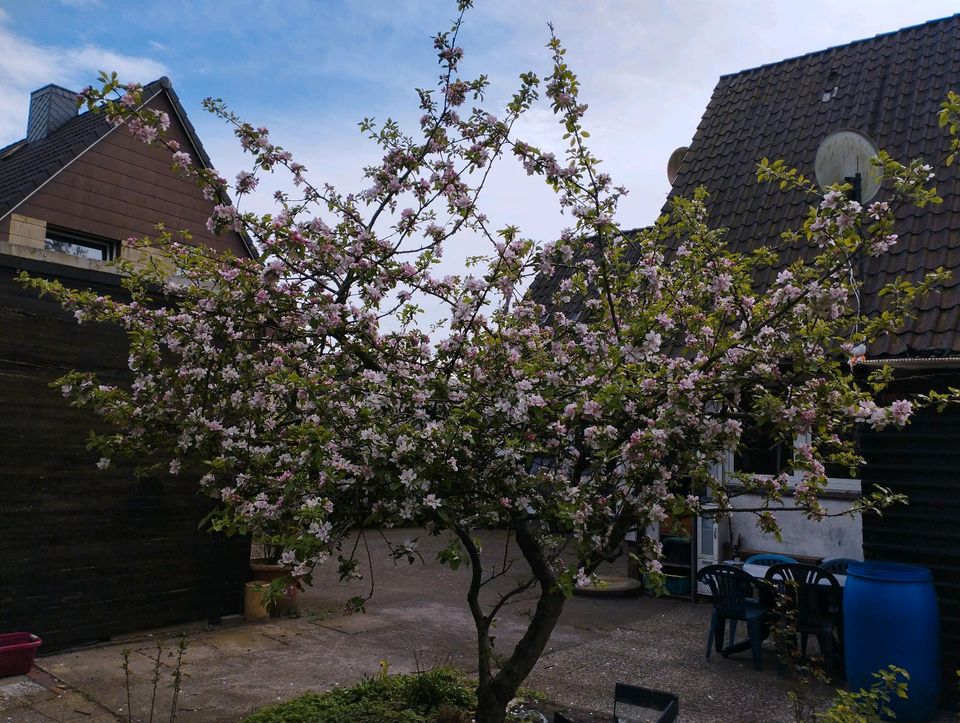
(254, 610)
(266, 571)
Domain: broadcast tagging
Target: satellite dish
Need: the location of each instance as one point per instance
(673, 165)
(842, 156)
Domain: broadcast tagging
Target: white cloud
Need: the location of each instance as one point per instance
(26, 66)
(82, 4)
(647, 71)
(91, 57)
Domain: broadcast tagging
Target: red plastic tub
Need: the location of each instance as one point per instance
(16, 653)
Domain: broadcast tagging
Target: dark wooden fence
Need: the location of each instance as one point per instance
(923, 462)
(87, 554)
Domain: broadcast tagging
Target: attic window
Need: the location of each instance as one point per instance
(79, 245)
(759, 453)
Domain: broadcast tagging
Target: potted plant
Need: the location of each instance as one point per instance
(271, 588)
(265, 566)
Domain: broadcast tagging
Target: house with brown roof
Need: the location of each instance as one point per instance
(79, 186)
(88, 553)
(889, 88)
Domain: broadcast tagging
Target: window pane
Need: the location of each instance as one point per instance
(74, 248)
(759, 453)
(707, 526)
(79, 245)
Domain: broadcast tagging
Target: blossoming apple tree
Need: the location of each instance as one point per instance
(309, 399)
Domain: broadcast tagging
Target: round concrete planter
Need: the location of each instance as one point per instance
(614, 586)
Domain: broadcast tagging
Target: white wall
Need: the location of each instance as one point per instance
(831, 537)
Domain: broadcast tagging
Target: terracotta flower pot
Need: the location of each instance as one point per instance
(265, 571)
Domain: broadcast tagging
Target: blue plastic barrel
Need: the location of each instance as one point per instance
(890, 617)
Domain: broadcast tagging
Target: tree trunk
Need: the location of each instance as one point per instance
(491, 704)
(492, 698)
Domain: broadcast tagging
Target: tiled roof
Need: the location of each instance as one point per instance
(890, 87)
(28, 166)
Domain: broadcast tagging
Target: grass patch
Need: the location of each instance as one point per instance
(441, 695)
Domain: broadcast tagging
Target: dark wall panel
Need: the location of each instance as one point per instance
(923, 462)
(87, 554)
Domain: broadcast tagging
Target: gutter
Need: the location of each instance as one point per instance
(913, 362)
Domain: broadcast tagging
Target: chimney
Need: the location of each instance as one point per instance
(50, 107)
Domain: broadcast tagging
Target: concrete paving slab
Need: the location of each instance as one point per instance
(583, 677)
(21, 689)
(247, 641)
(357, 623)
(26, 699)
(72, 707)
(20, 714)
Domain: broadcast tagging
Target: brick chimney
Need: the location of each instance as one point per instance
(50, 107)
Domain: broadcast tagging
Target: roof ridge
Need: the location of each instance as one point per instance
(859, 41)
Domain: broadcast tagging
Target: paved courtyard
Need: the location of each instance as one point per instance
(416, 619)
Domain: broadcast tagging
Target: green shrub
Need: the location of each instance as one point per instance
(868, 705)
(433, 696)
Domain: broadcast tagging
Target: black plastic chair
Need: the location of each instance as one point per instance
(737, 595)
(838, 565)
(666, 705)
(815, 595)
(633, 696)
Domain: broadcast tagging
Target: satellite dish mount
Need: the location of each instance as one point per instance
(856, 193)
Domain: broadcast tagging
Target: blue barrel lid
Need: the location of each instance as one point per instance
(889, 572)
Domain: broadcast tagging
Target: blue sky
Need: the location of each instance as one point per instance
(310, 69)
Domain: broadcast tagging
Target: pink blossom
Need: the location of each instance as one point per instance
(591, 408)
(183, 160)
(900, 411)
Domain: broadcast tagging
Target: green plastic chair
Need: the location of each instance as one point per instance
(735, 596)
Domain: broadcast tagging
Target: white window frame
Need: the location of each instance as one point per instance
(56, 235)
(835, 485)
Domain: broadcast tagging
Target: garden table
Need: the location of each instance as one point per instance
(760, 571)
